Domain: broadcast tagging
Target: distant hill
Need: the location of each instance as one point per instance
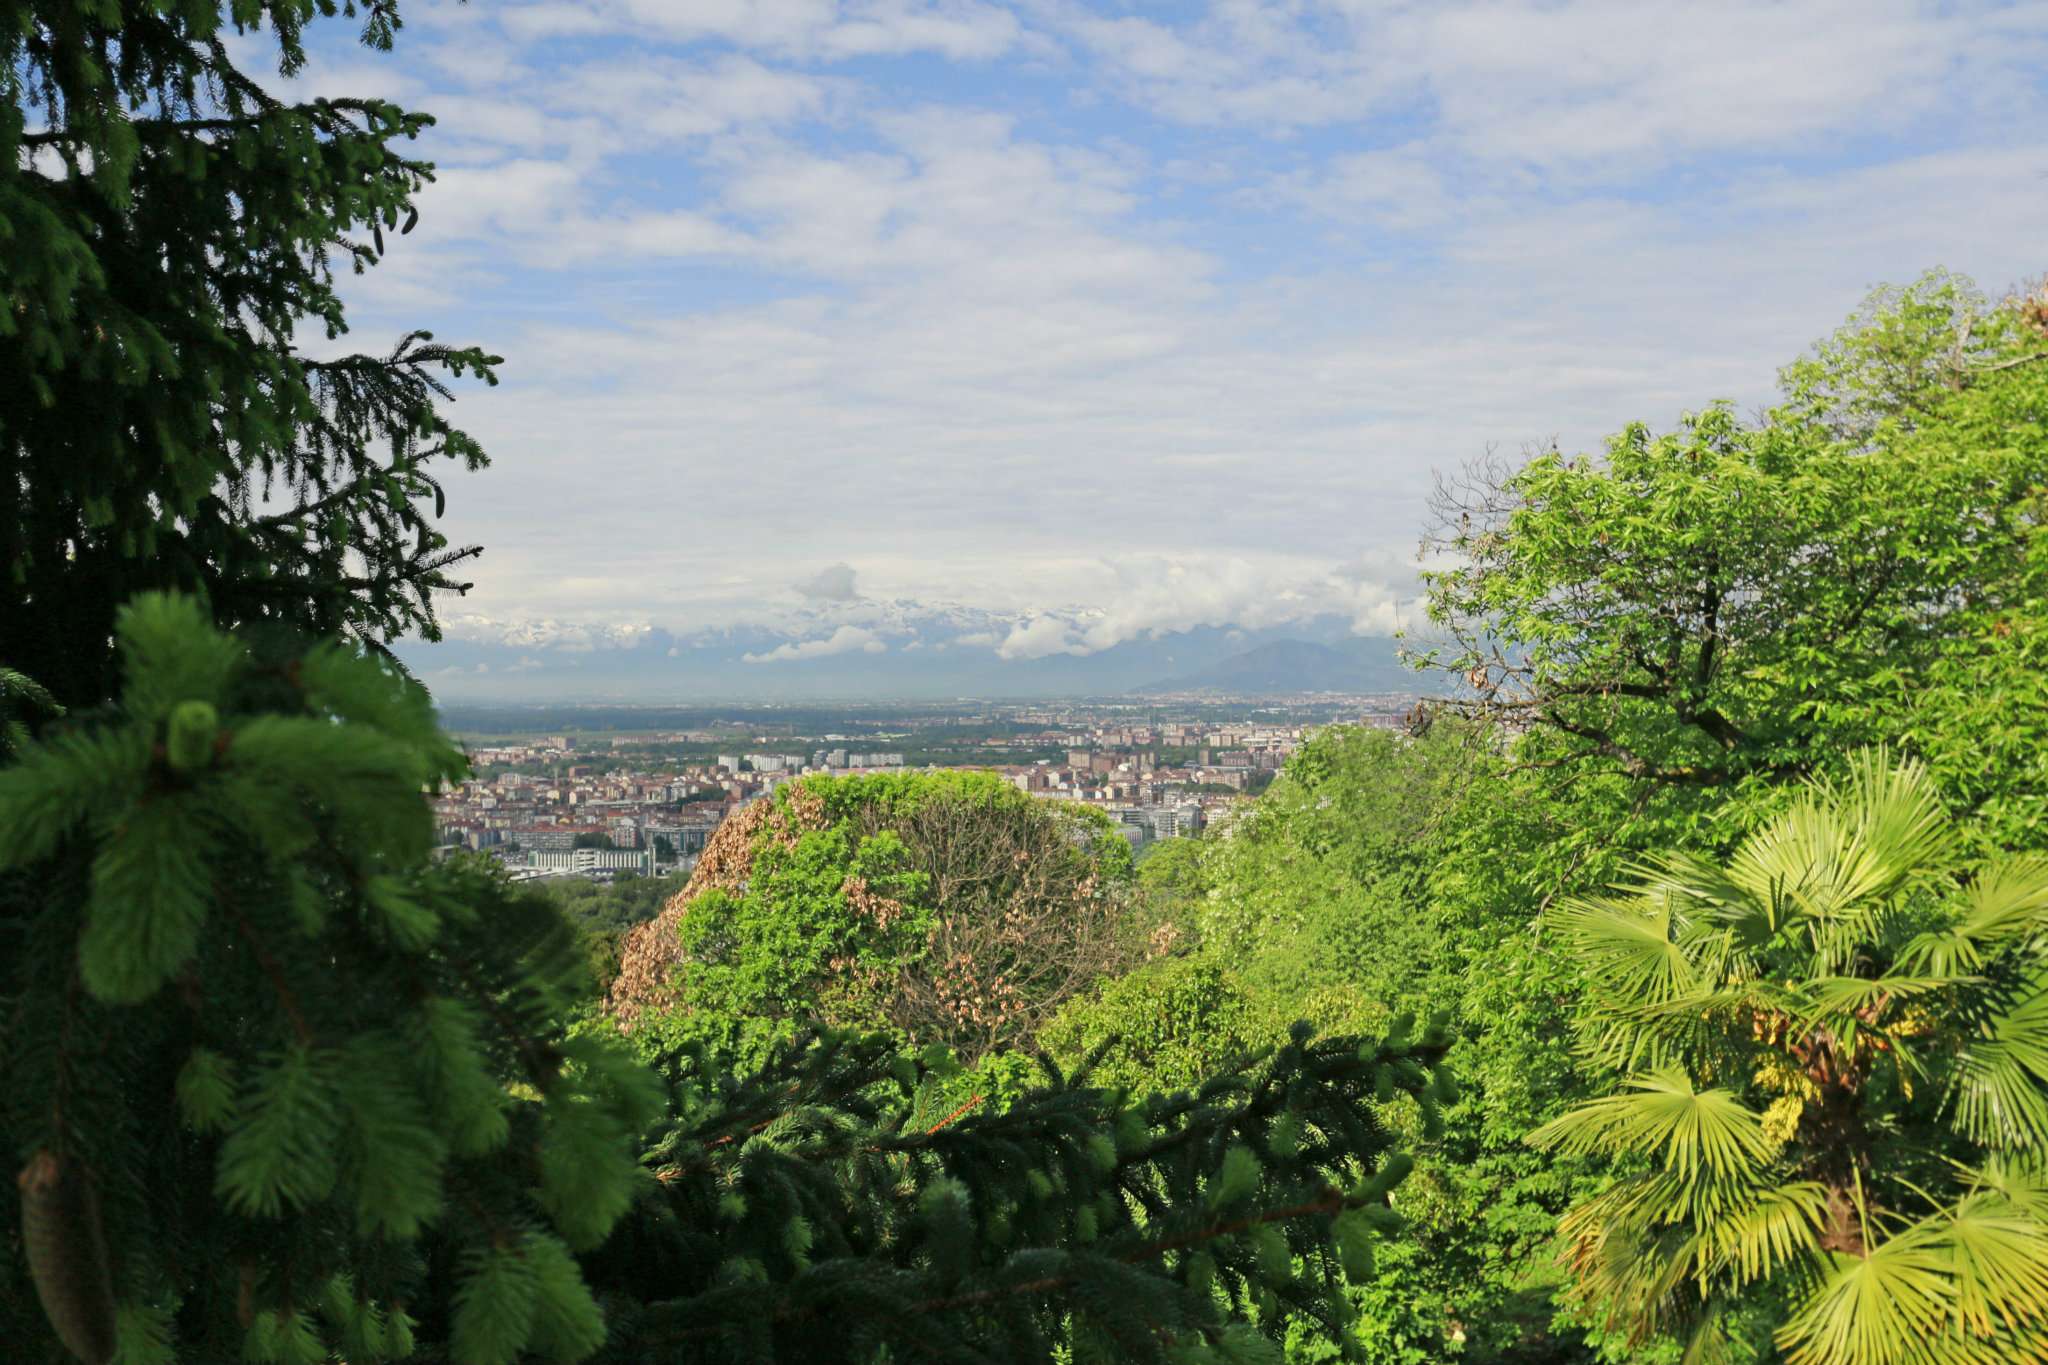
(1281, 666)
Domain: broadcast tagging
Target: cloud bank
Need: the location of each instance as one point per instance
(1100, 323)
(844, 640)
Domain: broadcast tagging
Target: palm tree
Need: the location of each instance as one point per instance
(1836, 1106)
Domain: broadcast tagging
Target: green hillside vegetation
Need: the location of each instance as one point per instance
(1719, 883)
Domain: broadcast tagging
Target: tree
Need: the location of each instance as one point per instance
(169, 226)
(289, 1089)
(285, 1089)
(837, 1205)
(602, 914)
(1726, 604)
(1380, 872)
(272, 1071)
(1171, 886)
(949, 907)
(1837, 1041)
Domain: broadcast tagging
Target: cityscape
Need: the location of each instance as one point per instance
(608, 797)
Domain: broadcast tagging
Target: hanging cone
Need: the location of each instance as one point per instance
(67, 1255)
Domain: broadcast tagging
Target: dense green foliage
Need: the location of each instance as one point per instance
(1364, 882)
(807, 1212)
(1656, 642)
(602, 913)
(282, 1088)
(1731, 603)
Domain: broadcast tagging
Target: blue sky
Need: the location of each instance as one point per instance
(1110, 318)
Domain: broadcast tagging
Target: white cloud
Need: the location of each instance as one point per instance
(1155, 595)
(844, 640)
(645, 97)
(1401, 188)
(1557, 84)
(578, 637)
(1039, 637)
(833, 583)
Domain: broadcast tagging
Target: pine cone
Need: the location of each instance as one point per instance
(67, 1255)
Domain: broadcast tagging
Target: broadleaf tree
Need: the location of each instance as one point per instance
(1735, 603)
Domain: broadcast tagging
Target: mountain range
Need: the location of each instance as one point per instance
(1287, 666)
(896, 650)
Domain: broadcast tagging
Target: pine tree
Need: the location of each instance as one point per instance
(257, 1045)
(847, 1204)
(166, 227)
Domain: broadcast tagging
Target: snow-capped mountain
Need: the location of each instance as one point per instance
(865, 648)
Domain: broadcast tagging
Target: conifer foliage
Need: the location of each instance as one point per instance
(256, 1044)
(166, 226)
(844, 1204)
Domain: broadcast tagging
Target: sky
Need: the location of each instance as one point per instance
(1096, 321)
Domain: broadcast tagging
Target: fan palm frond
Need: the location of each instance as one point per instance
(1781, 1227)
(2001, 1081)
(1694, 1133)
(1633, 1271)
(1951, 950)
(1709, 896)
(1709, 1029)
(2022, 1184)
(1628, 942)
(1889, 1307)
(1999, 1261)
(1844, 851)
(1709, 1342)
(2007, 901)
(1853, 1008)
(1901, 825)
